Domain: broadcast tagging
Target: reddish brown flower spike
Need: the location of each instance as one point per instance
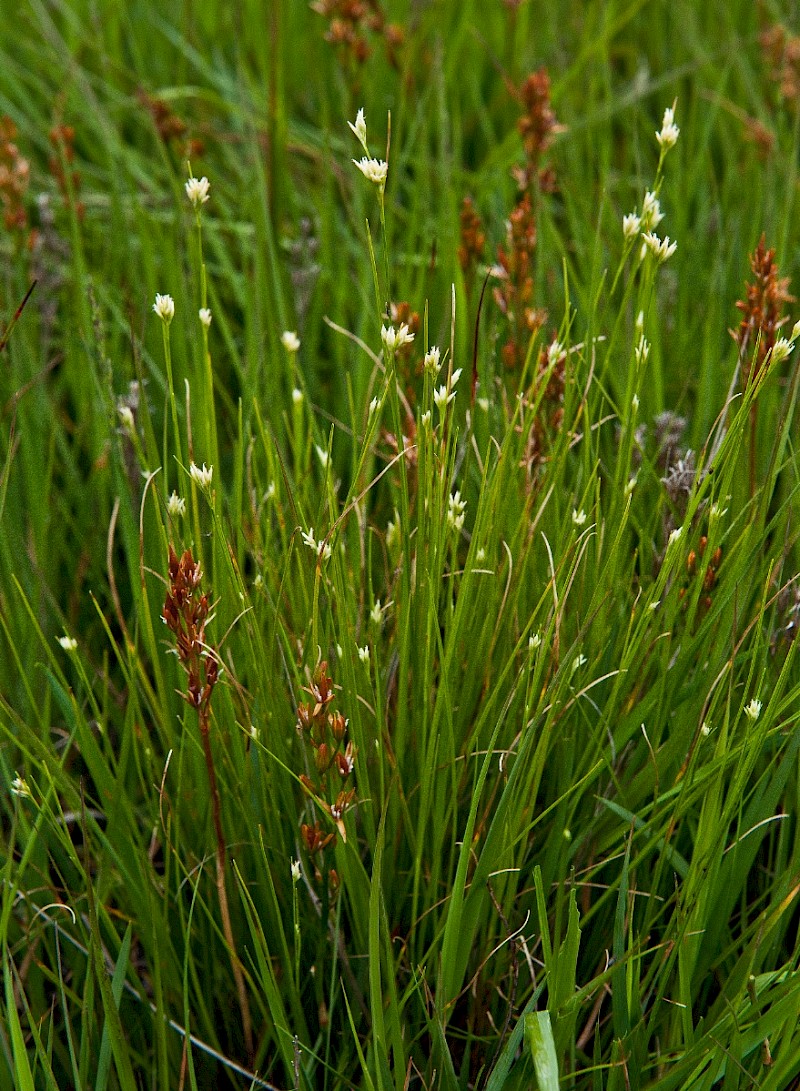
(762, 310)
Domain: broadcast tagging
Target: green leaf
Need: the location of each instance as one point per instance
(539, 1036)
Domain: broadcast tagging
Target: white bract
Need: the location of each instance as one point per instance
(176, 505)
(394, 339)
(374, 170)
(197, 191)
(668, 134)
(164, 307)
(201, 475)
(360, 129)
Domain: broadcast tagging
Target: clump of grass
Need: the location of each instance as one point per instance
(476, 759)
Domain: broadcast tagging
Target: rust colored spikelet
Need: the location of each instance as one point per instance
(537, 127)
(62, 138)
(186, 613)
(781, 51)
(546, 394)
(473, 239)
(14, 178)
(514, 293)
(706, 575)
(332, 755)
(171, 128)
(762, 318)
(353, 23)
(186, 610)
(762, 311)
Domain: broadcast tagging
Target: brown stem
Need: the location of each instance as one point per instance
(222, 894)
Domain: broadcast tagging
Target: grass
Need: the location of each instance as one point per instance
(469, 762)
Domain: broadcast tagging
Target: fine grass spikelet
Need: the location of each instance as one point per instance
(667, 135)
(197, 190)
(164, 307)
(753, 710)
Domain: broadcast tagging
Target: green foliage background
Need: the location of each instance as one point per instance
(574, 854)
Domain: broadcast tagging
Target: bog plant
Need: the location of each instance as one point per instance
(399, 680)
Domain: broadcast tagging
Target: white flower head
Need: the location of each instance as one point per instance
(780, 350)
(290, 341)
(630, 226)
(164, 307)
(363, 654)
(374, 170)
(577, 662)
(125, 414)
(753, 710)
(553, 353)
(716, 511)
(376, 613)
(201, 476)
(322, 455)
(442, 397)
(635, 404)
(322, 549)
(795, 331)
(68, 643)
(176, 505)
(651, 212)
(197, 191)
(642, 350)
(661, 249)
(630, 485)
(668, 134)
(456, 510)
(394, 339)
(360, 129)
(296, 872)
(578, 517)
(431, 362)
(204, 314)
(674, 535)
(297, 395)
(19, 788)
(425, 419)
(393, 531)
(534, 642)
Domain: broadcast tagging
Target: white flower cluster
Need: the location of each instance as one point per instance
(456, 510)
(651, 217)
(197, 191)
(322, 549)
(393, 339)
(444, 394)
(164, 307)
(668, 134)
(201, 476)
(374, 170)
